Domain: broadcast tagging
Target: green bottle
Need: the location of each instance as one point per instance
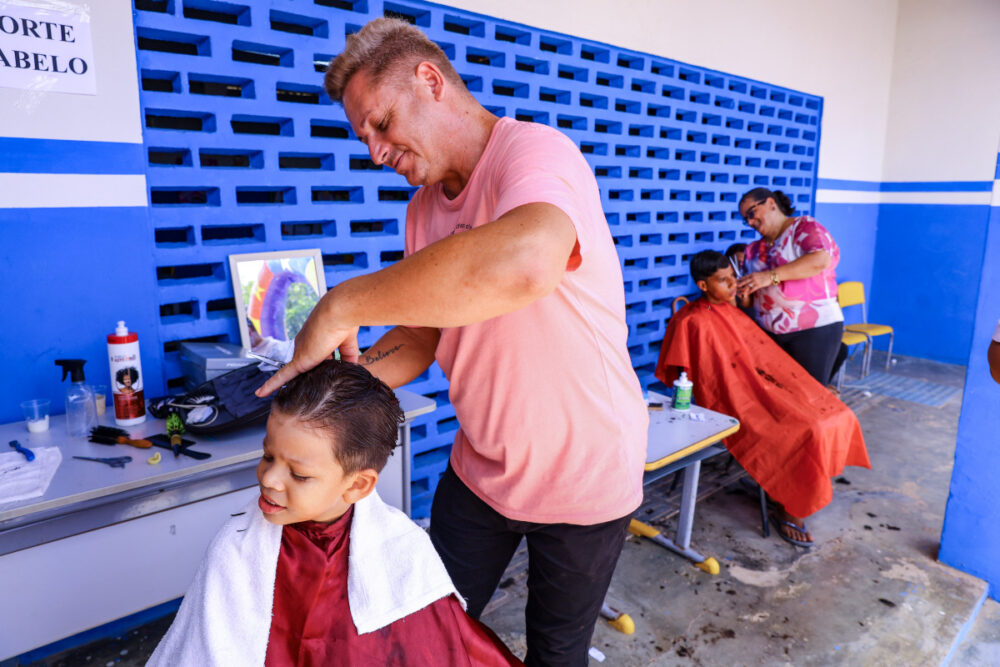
(682, 392)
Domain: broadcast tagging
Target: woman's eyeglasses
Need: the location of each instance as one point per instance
(750, 212)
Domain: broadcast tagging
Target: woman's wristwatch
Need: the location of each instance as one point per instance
(774, 278)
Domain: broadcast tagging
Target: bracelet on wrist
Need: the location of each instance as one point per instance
(774, 278)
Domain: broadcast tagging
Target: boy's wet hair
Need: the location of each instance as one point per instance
(706, 263)
(735, 248)
(359, 412)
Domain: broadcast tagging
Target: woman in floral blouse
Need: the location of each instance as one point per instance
(790, 273)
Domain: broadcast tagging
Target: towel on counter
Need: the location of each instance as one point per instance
(226, 615)
(21, 479)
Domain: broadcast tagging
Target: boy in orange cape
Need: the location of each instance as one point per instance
(794, 434)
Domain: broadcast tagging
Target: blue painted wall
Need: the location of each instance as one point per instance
(853, 227)
(245, 153)
(69, 274)
(72, 273)
(970, 540)
(926, 274)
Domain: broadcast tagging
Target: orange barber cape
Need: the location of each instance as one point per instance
(794, 434)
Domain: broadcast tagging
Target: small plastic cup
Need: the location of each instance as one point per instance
(100, 398)
(36, 414)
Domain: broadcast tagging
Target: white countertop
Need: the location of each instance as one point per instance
(77, 481)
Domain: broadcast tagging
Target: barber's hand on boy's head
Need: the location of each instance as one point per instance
(313, 345)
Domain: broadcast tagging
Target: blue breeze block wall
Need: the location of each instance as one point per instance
(246, 153)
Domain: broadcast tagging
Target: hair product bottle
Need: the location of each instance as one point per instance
(126, 376)
(682, 392)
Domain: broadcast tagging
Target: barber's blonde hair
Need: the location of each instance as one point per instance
(384, 46)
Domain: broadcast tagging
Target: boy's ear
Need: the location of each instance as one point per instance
(702, 285)
(364, 483)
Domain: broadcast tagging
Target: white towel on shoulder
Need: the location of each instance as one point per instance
(225, 618)
(392, 567)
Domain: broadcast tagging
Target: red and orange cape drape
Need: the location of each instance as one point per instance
(794, 434)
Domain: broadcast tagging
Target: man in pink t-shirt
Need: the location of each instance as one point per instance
(512, 283)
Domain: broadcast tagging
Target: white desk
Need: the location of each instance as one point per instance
(103, 543)
(677, 442)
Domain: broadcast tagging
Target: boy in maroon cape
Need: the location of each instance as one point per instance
(318, 570)
(794, 434)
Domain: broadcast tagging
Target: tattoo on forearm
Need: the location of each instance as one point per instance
(368, 359)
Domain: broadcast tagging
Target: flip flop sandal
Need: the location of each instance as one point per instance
(779, 523)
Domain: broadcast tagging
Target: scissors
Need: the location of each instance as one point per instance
(736, 267)
(267, 360)
(278, 364)
(114, 461)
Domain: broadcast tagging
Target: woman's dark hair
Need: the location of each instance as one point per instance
(706, 263)
(735, 248)
(131, 372)
(359, 412)
(780, 198)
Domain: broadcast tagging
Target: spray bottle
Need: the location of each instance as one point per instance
(126, 376)
(682, 392)
(81, 414)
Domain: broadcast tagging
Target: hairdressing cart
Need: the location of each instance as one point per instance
(104, 543)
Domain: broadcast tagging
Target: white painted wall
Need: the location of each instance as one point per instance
(112, 114)
(841, 50)
(941, 121)
(945, 105)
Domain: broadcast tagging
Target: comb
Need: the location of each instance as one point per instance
(109, 435)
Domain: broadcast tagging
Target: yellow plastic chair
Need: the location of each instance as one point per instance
(852, 293)
(850, 338)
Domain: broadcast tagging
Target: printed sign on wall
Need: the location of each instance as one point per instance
(45, 45)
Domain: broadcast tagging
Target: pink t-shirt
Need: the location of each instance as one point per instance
(553, 425)
(795, 305)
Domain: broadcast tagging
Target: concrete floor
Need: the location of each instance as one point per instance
(982, 646)
(870, 593)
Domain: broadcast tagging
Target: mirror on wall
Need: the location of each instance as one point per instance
(274, 293)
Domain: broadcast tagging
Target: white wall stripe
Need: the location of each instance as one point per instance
(979, 198)
(115, 190)
(72, 190)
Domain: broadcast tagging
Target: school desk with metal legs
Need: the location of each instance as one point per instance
(678, 441)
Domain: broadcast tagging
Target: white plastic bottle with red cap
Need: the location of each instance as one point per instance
(126, 376)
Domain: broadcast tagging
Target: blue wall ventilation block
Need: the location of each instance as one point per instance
(246, 153)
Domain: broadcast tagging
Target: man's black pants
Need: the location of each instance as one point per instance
(569, 568)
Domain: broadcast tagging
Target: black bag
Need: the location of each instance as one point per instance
(224, 403)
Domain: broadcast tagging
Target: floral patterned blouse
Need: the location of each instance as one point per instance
(796, 305)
